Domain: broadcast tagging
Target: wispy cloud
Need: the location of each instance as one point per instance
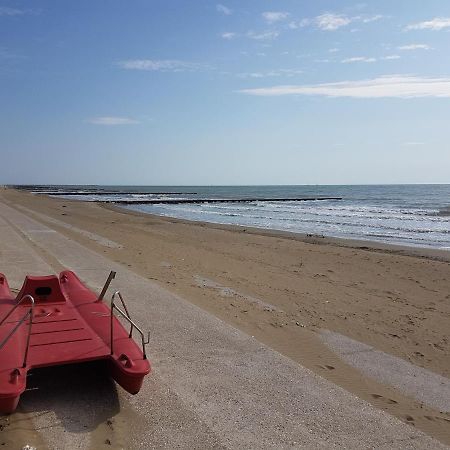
(436, 24)
(415, 47)
(164, 65)
(264, 35)
(111, 121)
(369, 19)
(333, 50)
(223, 9)
(390, 57)
(390, 86)
(228, 35)
(358, 59)
(331, 22)
(6, 11)
(272, 73)
(267, 35)
(275, 16)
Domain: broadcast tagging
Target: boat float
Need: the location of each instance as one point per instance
(56, 320)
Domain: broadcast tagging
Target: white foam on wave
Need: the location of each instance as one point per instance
(410, 226)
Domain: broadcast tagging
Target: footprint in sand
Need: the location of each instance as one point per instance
(387, 400)
(326, 366)
(409, 419)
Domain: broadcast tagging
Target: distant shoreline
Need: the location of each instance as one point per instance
(366, 217)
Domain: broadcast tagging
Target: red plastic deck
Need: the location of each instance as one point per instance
(70, 325)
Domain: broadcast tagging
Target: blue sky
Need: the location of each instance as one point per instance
(236, 92)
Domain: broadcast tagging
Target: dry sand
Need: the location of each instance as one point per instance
(284, 289)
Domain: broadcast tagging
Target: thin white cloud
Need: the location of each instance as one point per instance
(228, 35)
(290, 72)
(6, 11)
(253, 75)
(223, 9)
(111, 121)
(413, 144)
(436, 24)
(263, 36)
(390, 57)
(272, 73)
(369, 19)
(275, 16)
(333, 50)
(331, 22)
(358, 59)
(390, 86)
(164, 65)
(415, 47)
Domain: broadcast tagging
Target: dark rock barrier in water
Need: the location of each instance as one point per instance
(55, 190)
(114, 193)
(216, 200)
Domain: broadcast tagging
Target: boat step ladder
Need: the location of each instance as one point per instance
(29, 313)
(125, 314)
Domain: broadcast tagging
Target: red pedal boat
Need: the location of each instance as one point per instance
(58, 320)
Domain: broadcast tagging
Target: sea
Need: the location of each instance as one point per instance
(411, 215)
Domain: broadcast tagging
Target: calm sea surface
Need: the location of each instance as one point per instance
(416, 215)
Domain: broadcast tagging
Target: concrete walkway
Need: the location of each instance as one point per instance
(212, 386)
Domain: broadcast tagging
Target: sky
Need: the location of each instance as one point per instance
(171, 92)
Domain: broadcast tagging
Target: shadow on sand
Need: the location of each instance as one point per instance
(81, 396)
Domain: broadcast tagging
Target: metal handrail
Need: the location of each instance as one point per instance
(30, 312)
(125, 314)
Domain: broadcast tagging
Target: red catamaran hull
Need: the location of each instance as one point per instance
(69, 326)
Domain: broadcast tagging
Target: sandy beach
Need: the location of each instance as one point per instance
(286, 290)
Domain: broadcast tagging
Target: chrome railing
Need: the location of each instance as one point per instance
(125, 314)
(29, 313)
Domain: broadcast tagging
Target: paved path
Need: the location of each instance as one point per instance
(212, 386)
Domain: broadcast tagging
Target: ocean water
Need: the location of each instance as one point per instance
(414, 215)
